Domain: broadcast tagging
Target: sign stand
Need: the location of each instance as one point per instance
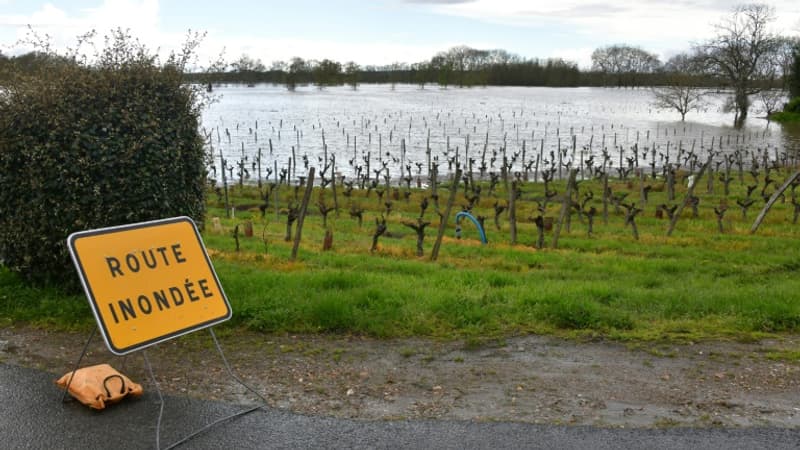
(199, 431)
(77, 365)
(149, 367)
(147, 283)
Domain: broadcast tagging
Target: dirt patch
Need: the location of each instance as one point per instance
(528, 379)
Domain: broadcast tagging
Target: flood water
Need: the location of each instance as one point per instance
(387, 128)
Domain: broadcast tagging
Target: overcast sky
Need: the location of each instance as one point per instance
(383, 31)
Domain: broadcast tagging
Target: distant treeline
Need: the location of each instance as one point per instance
(531, 73)
(521, 74)
(618, 66)
(553, 73)
(615, 66)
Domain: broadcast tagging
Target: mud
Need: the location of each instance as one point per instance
(527, 379)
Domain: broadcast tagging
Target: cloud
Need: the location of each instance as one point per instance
(642, 22)
(563, 28)
(141, 17)
(574, 11)
(438, 2)
(133, 14)
(48, 16)
(110, 14)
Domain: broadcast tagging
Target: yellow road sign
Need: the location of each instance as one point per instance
(148, 282)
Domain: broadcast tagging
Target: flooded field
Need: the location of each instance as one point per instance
(382, 131)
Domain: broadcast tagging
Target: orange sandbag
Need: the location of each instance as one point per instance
(97, 386)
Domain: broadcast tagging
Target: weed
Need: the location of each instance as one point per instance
(407, 352)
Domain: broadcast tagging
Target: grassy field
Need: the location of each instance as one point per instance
(785, 117)
(696, 284)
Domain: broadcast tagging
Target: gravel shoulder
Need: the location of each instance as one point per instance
(531, 379)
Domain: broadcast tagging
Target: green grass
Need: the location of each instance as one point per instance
(41, 306)
(697, 284)
(785, 117)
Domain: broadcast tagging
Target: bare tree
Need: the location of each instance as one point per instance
(740, 53)
(771, 100)
(624, 63)
(297, 67)
(395, 70)
(680, 91)
(278, 66)
(464, 60)
(247, 64)
(443, 67)
(326, 73)
(794, 73)
(785, 57)
(421, 73)
(351, 74)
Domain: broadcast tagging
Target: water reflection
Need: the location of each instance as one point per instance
(790, 136)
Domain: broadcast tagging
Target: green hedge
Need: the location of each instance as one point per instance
(793, 106)
(91, 145)
(794, 79)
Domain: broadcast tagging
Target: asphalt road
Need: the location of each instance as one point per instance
(32, 416)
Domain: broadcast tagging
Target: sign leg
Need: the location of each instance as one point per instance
(77, 364)
(160, 398)
(230, 371)
(214, 423)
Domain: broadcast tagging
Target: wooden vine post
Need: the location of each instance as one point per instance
(224, 185)
(605, 198)
(302, 216)
(688, 197)
(565, 206)
(443, 221)
(772, 201)
(333, 180)
(512, 212)
(642, 190)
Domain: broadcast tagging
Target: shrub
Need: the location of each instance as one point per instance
(794, 79)
(88, 145)
(793, 105)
